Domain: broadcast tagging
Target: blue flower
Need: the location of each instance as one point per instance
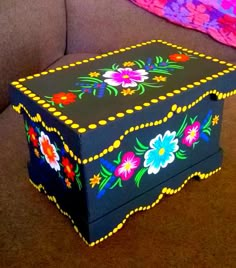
(162, 152)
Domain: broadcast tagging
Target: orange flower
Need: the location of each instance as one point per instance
(63, 98)
(95, 180)
(159, 78)
(215, 120)
(49, 151)
(68, 183)
(94, 74)
(36, 152)
(33, 136)
(127, 91)
(68, 168)
(128, 64)
(179, 57)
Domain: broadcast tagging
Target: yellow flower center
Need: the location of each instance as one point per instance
(125, 76)
(63, 98)
(127, 166)
(192, 133)
(68, 169)
(161, 151)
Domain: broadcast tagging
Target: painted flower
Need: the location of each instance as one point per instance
(179, 57)
(68, 183)
(215, 120)
(127, 91)
(33, 136)
(94, 74)
(128, 64)
(161, 153)
(159, 78)
(63, 98)
(68, 168)
(125, 77)
(95, 180)
(191, 134)
(129, 163)
(49, 151)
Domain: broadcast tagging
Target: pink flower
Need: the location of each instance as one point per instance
(197, 14)
(191, 134)
(129, 163)
(125, 77)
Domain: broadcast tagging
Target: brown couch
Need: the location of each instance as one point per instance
(193, 228)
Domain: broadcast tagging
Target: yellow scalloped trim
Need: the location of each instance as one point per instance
(104, 121)
(164, 191)
(117, 143)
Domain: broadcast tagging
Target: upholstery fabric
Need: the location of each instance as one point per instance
(33, 35)
(216, 18)
(94, 28)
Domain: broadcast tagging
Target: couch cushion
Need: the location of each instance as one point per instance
(33, 35)
(101, 26)
(71, 58)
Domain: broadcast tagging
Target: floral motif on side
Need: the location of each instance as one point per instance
(49, 153)
(160, 152)
(133, 77)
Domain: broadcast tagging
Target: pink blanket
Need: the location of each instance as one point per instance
(214, 17)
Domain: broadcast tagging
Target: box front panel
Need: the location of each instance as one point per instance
(150, 154)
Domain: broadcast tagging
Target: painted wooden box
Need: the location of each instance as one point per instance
(111, 135)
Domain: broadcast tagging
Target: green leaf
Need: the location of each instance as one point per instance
(141, 88)
(160, 71)
(115, 67)
(117, 161)
(140, 151)
(90, 79)
(141, 146)
(183, 126)
(117, 182)
(26, 126)
(207, 131)
(80, 95)
(105, 171)
(139, 176)
(115, 91)
(94, 92)
(180, 156)
(103, 183)
(195, 143)
(139, 64)
(79, 183)
(76, 168)
(60, 105)
(28, 138)
(208, 123)
(192, 120)
(106, 69)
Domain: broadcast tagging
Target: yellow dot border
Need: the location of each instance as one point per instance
(163, 192)
(81, 129)
(117, 143)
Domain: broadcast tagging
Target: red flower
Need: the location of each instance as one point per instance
(33, 136)
(179, 57)
(68, 168)
(63, 98)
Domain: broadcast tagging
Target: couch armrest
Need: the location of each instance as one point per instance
(32, 36)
